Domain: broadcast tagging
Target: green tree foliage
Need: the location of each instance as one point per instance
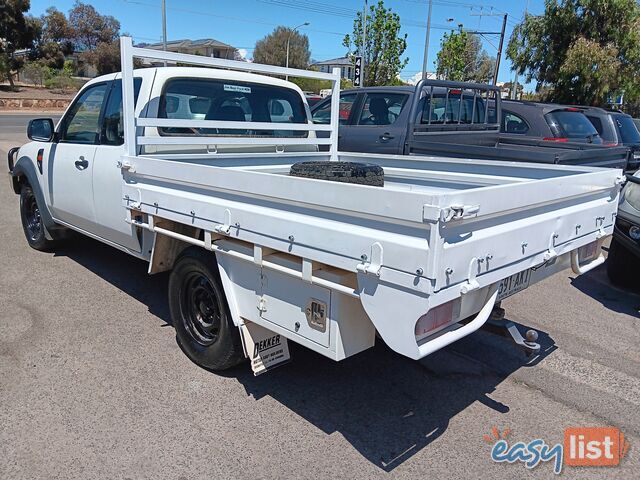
(272, 49)
(384, 45)
(89, 28)
(461, 58)
(17, 32)
(580, 51)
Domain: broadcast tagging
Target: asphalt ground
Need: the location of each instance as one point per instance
(93, 384)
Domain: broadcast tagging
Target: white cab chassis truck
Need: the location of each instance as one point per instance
(189, 169)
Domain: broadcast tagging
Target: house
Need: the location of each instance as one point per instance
(343, 63)
(207, 47)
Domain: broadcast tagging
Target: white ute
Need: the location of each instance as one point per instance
(194, 177)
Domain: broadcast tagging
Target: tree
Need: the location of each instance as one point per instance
(272, 49)
(580, 51)
(384, 45)
(89, 28)
(17, 32)
(461, 58)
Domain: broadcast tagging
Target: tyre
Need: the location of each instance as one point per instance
(622, 265)
(32, 223)
(200, 313)
(346, 172)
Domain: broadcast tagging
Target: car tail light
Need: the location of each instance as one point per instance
(455, 91)
(571, 109)
(436, 318)
(555, 139)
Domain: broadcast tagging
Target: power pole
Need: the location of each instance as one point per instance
(164, 27)
(426, 42)
(504, 26)
(364, 42)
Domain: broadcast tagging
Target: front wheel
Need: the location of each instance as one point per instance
(200, 312)
(30, 214)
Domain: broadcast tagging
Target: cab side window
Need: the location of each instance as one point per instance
(82, 122)
(512, 123)
(382, 108)
(323, 114)
(113, 122)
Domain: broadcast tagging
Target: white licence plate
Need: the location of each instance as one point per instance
(514, 284)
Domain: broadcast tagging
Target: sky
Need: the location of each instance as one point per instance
(242, 22)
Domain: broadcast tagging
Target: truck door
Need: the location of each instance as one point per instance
(322, 115)
(107, 177)
(71, 159)
(378, 127)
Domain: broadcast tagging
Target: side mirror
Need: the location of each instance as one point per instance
(40, 129)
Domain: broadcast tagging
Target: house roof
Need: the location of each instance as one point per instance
(186, 43)
(345, 61)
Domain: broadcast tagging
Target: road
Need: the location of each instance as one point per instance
(93, 384)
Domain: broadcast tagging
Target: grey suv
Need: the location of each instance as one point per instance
(616, 128)
(549, 121)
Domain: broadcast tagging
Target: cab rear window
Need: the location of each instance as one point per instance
(571, 124)
(228, 100)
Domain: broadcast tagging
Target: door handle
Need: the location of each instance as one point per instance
(81, 164)
(385, 137)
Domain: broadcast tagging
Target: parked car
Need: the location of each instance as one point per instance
(616, 128)
(552, 122)
(451, 119)
(257, 254)
(623, 261)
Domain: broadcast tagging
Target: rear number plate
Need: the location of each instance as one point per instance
(514, 284)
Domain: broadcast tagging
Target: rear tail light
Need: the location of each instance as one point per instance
(455, 91)
(555, 139)
(437, 318)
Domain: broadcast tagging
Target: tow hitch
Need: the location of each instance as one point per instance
(497, 324)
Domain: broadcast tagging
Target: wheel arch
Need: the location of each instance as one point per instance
(24, 173)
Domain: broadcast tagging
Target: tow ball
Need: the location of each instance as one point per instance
(497, 324)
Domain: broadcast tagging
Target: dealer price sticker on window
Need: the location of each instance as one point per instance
(514, 284)
(265, 349)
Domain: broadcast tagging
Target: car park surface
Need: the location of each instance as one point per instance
(93, 385)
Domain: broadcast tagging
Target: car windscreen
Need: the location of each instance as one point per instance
(572, 124)
(628, 131)
(233, 101)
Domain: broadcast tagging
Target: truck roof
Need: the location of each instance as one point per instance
(164, 73)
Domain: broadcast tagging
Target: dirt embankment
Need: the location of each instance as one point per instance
(33, 98)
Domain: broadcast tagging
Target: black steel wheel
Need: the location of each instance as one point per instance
(32, 224)
(200, 313)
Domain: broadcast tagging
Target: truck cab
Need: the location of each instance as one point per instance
(77, 173)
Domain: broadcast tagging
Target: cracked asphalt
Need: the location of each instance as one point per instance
(93, 384)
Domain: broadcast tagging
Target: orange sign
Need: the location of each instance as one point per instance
(594, 446)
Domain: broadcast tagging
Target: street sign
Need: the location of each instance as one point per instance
(357, 76)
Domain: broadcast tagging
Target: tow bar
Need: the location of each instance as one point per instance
(497, 324)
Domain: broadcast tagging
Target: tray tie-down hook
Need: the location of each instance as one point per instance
(372, 265)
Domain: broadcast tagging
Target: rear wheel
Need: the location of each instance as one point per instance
(32, 224)
(622, 265)
(200, 312)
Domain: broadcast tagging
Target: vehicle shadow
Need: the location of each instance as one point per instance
(125, 272)
(596, 284)
(386, 406)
